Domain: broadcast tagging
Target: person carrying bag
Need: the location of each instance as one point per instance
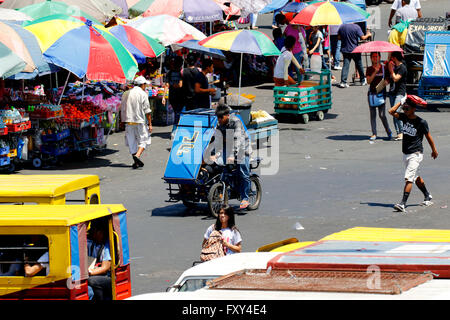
(377, 95)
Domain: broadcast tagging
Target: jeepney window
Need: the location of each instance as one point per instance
(24, 255)
(194, 284)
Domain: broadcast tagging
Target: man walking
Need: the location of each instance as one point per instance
(135, 112)
(398, 4)
(349, 34)
(406, 12)
(414, 129)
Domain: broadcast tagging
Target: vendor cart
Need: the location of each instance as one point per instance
(310, 98)
(435, 81)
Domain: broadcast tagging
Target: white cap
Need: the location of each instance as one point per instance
(141, 80)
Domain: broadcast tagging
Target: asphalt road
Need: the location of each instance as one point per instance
(330, 178)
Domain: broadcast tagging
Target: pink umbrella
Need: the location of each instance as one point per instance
(377, 46)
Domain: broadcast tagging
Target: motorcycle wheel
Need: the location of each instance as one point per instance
(216, 198)
(255, 193)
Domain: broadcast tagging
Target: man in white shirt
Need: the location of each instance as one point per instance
(135, 112)
(415, 4)
(406, 13)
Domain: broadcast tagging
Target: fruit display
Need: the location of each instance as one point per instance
(81, 114)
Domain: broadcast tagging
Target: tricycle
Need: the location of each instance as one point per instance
(191, 179)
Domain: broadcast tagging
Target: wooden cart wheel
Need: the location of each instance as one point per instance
(305, 118)
(320, 115)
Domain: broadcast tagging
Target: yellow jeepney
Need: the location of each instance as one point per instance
(48, 189)
(61, 233)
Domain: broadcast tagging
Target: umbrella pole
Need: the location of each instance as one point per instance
(240, 76)
(64, 89)
(82, 94)
(161, 62)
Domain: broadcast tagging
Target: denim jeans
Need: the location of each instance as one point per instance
(253, 19)
(244, 177)
(101, 287)
(335, 49)
(348, 57)
(394, 99)
(299, 57)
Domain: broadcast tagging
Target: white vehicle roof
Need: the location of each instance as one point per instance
(231, 263)
(436, 289)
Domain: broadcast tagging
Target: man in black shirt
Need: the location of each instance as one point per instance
(188, 81)
(202, 89)
(414, 129)
(397, 78)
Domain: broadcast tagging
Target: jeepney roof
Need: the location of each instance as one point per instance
(51, 215)
(44, 185)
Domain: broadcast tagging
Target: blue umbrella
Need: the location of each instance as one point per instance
(359, 3)
(274, 5)
(32, 45)
(294, 7)
(194, 46)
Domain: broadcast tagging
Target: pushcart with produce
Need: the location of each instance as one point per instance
(309, 99)
(190, 179)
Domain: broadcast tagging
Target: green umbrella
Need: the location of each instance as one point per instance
(47, 8)
(10, 63)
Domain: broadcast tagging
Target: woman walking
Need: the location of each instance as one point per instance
(225, 223)
(377, 100)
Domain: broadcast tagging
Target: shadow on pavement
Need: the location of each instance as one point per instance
(347, 137)
(180, 210)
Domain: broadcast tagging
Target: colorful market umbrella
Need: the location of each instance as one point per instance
(192, 10)
(13, 15)
(84, 49)
(194, 46)
(10, 63)
(242, 41)
(138, 43)
(123, 5)
(30, 43)
(47, 8)
(274, 5)
(294, 7)
(250, 6)
(12, 40)
(167, 29)
(377, 46)
(100, 10)
(323, 13)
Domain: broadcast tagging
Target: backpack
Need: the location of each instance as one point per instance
(213, 248)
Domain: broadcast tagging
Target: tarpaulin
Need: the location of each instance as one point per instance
(436, 64)
(193, 135)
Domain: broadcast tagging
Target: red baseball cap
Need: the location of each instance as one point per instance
(415, 101)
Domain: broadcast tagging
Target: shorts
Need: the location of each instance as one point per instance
(137, 136)
(412, 162)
